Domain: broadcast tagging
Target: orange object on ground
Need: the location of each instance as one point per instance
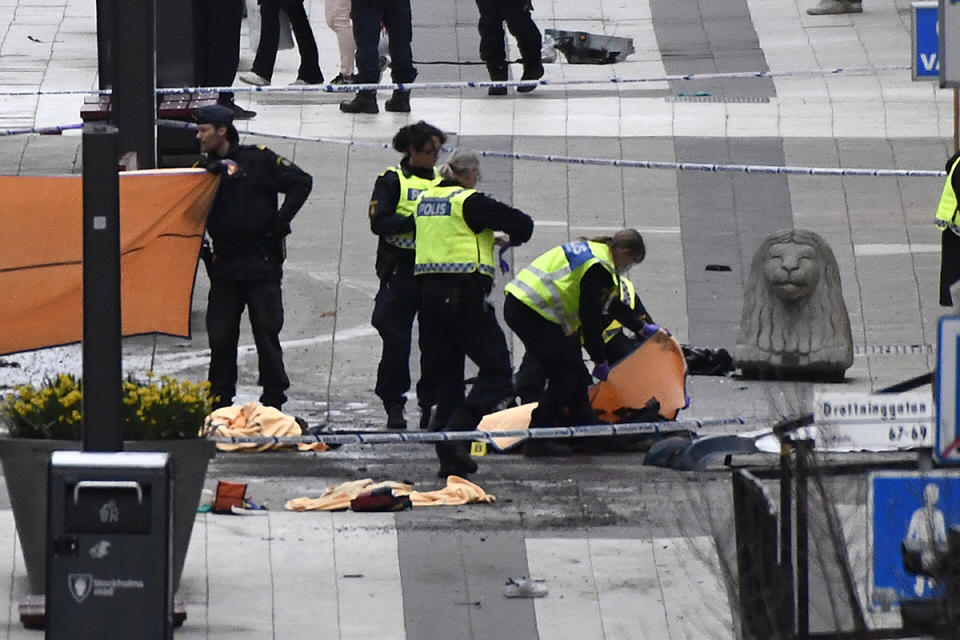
(162, 215)
(254, 420)
(458, 491)
(657, 369)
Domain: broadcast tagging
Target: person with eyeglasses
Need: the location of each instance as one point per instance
(454, 267)
(395, 307)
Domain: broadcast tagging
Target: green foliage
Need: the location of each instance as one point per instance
(158, 409)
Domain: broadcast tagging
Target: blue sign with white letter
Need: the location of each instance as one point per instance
(926, 40)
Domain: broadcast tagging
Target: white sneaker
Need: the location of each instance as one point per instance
(255, 79)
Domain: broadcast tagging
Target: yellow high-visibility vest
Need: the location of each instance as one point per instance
(947, 209)
(445, 242)
(410, 189)
(551, 284)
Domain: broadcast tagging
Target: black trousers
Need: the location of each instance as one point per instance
(457, 322)
(395, 15)
(949, 265)
(264, 303)
(217, 42)
(516, 13)
(560, 360)
(395, 307)
(270, 39)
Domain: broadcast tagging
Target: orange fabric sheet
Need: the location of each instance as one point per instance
(657, 369)
(458, 491)
(162, 215)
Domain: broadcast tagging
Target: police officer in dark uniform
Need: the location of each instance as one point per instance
(493, 50)
(246, 262)
(367, 17)
(217, 48)
(391, 219)
(454, 267)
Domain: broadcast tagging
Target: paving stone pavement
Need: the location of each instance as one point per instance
(627, 551)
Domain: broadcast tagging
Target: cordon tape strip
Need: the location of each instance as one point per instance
(480, 84)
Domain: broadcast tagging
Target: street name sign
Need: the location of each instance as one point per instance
(850, 421)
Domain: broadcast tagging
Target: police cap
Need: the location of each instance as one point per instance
(214, 114)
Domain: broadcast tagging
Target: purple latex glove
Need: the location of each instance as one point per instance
(504, 265)
(601, 371)
(648, 330)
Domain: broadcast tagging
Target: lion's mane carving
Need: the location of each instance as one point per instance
(794, 321)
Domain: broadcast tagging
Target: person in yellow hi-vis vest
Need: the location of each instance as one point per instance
(555, 300)
(454, 268)
(391, 219)
(531, 375)
(948, 219)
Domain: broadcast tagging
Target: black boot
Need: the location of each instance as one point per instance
(363, 102)
(455, 459)
(498, 73)
(398, 102)
(395, 419)
(531, 71)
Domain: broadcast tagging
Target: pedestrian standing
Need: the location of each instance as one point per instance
(246, 265)
(948, 219)
(454, 267)
(337, 13)
(493, 49)
(550, 304)
(217, 44)
(391, 219)
(368, 16)
(262, 71)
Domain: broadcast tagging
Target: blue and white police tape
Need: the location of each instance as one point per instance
(470, 84)
(587, 431)
(634, 164)
(52, 130)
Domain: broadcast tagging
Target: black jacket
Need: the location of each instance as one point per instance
(385, 221)
(245, 224)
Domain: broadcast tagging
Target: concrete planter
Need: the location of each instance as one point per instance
(25, 463)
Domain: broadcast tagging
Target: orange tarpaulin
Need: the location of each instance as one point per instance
(162, 215)
(656, 369)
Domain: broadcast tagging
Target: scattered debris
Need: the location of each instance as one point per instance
(524, 587)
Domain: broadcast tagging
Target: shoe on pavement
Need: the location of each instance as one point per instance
(524, 588)
(363, 102)
(342, 79)
(239, 113)
(531, 71)
(399, 102)
(455, 459)
(835, 7)
(300, 82)
(395, 419)
(254, 78)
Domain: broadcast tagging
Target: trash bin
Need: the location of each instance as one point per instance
(109, 546)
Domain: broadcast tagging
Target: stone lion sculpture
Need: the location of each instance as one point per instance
(794, 322)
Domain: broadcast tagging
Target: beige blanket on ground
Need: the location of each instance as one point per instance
(458, 491)
(253, 419)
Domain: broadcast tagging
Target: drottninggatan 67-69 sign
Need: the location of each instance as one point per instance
(873, 422)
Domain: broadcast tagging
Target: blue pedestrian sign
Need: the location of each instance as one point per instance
(947, 447)
(909, 516)
(926, 40)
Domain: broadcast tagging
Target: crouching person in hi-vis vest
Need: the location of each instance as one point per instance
(454, 267)
(531, 376)
(948, 219)
(549, 304)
